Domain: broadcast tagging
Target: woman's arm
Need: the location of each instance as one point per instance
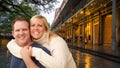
(58, 59)
(17, 51)
(14, 48)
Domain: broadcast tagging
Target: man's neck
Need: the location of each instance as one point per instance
(29, 42)
(25, 44)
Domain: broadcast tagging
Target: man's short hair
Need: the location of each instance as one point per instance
(19, 19)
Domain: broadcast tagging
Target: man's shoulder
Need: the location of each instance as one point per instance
(40, 46)
(34, 44)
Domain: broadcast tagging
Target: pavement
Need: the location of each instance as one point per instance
(87, 60)
(85, 57)
(101, 51)
(4, 60)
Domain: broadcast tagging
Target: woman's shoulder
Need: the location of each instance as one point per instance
(57, 39)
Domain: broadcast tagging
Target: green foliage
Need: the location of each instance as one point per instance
(9, 10)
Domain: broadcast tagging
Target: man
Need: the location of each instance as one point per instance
(21, 33)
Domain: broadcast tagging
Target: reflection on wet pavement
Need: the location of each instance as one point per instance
(4, 62)
(84, 60)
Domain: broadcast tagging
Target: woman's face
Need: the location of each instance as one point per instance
(37, 28)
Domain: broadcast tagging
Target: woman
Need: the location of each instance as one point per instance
(60, 56)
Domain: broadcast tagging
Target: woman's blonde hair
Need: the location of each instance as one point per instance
(44, 21)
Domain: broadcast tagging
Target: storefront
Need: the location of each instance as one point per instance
(93, 25)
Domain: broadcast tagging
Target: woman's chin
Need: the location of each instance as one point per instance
(36, 38)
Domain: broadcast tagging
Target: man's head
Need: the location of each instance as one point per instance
(20, 31)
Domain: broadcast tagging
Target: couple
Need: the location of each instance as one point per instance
(47, 51)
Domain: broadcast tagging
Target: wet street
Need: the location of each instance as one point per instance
(4, 60)
(83, 60)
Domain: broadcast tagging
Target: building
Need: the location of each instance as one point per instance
(91, 22)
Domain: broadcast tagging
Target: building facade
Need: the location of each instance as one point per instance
(90, 22)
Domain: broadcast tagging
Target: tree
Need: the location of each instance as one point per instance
(11, 9)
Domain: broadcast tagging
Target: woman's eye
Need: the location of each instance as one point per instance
(40, 25)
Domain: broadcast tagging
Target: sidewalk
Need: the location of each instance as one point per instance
(100, 50)
(86, 60)
(107, 49)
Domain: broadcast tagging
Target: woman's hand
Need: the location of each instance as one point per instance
(26, 51)
(26, 55)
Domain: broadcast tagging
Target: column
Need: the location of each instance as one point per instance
(114, 25)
